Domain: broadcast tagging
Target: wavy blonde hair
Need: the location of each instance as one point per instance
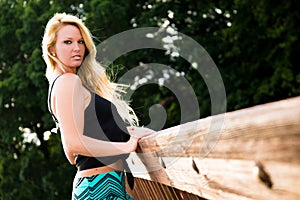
(92, 74)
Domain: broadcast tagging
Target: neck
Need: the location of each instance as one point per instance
(62, 70)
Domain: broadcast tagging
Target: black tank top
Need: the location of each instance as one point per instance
(103, 122)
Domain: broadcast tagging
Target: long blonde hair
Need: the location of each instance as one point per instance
(92, 74)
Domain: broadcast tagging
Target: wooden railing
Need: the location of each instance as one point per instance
(254, 154)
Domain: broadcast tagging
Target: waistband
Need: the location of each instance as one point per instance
(117, 166)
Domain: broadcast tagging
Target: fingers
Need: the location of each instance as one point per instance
(134, 128)
(130, 128)
(139, 132)
(133, 143)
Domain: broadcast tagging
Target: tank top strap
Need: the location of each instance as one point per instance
(49, 102)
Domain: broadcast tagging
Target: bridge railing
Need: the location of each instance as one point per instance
(254, 155)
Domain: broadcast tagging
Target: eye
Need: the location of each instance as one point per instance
(67, 41)
(81, 41)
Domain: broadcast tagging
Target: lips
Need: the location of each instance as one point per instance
(76, 57)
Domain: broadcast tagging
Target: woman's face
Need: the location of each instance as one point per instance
(69, 47)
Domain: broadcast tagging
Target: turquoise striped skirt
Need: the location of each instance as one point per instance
(109, 185)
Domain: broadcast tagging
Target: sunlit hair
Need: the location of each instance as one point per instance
(91, 73)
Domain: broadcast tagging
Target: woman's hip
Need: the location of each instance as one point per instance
(108, 185)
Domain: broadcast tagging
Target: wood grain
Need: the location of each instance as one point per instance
(252, 153)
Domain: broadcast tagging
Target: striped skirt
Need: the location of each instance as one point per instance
(109, 185)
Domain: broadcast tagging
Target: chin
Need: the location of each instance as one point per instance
(77, 64)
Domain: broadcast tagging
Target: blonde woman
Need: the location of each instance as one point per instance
(88, 110)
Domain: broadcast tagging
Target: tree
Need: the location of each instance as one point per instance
(253, 45)
(264, 41)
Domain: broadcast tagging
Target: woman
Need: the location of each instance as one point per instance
(88, 110)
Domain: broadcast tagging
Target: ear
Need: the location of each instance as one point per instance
(52, 50)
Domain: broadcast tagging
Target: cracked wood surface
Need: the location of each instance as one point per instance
(251, 153)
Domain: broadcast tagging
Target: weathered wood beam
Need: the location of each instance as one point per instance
(266, 127)
(215, 157)
(227, 179)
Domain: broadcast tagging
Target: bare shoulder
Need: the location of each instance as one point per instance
(67, 82)
(69, 78)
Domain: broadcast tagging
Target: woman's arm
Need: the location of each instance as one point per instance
(69, 98)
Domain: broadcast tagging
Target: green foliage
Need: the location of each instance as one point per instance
(254, 45)
(265, 49)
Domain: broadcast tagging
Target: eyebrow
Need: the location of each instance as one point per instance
(67, 37)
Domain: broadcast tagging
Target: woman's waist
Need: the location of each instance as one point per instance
(116, 166)
(86, 162)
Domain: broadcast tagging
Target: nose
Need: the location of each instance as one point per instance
(76, 46)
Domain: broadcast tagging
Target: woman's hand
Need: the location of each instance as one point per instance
(136, 134)
(139, 132)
